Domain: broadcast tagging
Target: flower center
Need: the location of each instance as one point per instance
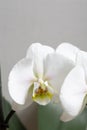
(42, 91)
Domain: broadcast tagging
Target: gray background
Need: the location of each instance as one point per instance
(46, 21)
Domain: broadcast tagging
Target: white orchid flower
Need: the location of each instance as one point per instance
(73, 94)
(39, 76)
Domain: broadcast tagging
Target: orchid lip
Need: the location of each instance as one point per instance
(41, 91)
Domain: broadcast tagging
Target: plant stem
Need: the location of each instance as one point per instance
(9, 116)
(4, 123)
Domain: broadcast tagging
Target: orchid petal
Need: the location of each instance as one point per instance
(18, 107)
(28, 102)
(20, 79)
(68, 50)
(38, 53)
(82, 60)
(66, 117)
(73, 91)
(56, 69)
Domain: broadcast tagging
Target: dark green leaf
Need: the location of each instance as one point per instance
(1, 113)
(49, 119)
(14, 123)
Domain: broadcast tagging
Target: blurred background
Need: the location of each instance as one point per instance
(49, 22)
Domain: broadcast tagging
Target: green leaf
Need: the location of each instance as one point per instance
(49, 119)
(1, 113)
(5, 108)
(14, 123)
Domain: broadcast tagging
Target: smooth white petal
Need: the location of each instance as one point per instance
(20, 79)
(68, 50)
(73, 91)
(56, 69)
(28, 102)
(82, 60)
(38, 53)
(66, 117)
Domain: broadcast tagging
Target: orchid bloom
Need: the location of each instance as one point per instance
(73, 94)
(39, 76)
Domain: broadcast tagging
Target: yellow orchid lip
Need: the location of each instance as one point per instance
(42, 93)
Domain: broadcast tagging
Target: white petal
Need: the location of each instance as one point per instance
(73, 91)
(20, 79)
(56, 69)
(38, 53)
(28, 102)
(68, 50)
(66, 117)
(82, 60)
